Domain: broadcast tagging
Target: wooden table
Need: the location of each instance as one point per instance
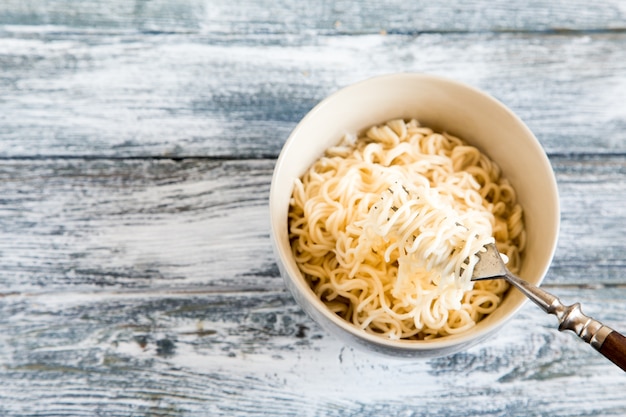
(137, 142)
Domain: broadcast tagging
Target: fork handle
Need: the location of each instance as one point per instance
(605, 340)
(614, 349)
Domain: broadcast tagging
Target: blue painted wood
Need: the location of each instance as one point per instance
(81, 92)
(343, 17)
(137, 142)
(142, 224)
(172, 354)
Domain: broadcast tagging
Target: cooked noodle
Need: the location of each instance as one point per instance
(386, 226)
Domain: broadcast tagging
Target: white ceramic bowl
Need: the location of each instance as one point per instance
(443, 105)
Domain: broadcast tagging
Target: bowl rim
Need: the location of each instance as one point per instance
(472, 336)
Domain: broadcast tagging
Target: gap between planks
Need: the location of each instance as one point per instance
(195, 291)
(556, 156)
(152, 292)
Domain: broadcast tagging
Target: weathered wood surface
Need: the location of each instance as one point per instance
(135, 224)
(88, 93)
(187, 354)
(325, 17)
(137, 142)
(83, 224)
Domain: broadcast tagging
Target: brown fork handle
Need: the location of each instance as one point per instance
(614, 349)
(604, 339)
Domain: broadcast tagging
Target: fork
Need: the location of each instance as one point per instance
(605, 340)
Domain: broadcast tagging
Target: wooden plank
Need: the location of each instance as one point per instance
(593, 232)
(255, 353)
(325, 17)
(135, 224)
(79, 93)
(136, 281)
(76, 224)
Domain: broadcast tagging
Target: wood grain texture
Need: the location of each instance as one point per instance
(137, 142)
(135, 224)
(177, 354)
(324, 17)
(197, 223)
(90, 93)
(592, 236)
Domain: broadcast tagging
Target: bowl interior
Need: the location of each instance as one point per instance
(443, 105)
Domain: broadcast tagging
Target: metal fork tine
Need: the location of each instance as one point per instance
(489, 265)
